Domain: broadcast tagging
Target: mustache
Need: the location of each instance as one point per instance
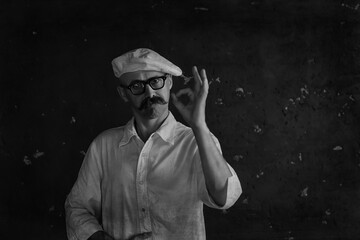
(147, 102)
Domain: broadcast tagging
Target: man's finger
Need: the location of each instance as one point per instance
(205, 85)
(176, 102)
(186, 91)
(197, 78)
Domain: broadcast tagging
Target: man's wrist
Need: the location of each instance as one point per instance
(200, 128)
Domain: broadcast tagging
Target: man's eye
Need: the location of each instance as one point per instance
(136, 86)
(155, 80)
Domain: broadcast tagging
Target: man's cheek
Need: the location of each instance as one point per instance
(135, 103)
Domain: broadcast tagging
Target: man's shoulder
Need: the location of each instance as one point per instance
(183, 131)
(112, 134)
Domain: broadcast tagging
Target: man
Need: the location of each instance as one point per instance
(150, 178)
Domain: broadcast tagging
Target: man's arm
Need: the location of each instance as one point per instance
(216, 171)
(83, 204)
(215, 168)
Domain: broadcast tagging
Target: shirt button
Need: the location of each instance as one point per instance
(141, 182)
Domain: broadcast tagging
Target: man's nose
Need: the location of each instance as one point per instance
(149, 92)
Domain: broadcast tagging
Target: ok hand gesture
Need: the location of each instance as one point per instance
(194, 112)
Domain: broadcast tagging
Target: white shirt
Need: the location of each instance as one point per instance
(126, 187)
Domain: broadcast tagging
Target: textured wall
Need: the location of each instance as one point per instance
(283, 101)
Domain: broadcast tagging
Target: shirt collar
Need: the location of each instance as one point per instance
(129, 132)
(166, 131)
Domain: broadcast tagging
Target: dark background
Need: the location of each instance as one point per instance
(283, 101)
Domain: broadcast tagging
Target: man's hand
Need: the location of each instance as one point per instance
(194, 112)
(100, 235)
(216, 171)
(145, 235)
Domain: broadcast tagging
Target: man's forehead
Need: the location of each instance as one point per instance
(139, 75)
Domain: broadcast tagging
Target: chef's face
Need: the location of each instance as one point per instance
(148, 92)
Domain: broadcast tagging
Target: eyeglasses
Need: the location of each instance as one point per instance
(137, 87)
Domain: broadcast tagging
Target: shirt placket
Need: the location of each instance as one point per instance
(141, 188)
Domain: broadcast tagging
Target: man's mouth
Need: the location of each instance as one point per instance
(148, 102)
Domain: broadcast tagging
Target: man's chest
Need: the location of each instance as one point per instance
(158, 167)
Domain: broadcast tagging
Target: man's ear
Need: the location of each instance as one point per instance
(122, 94)
(170, 81)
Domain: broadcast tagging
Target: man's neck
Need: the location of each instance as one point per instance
(145, 127)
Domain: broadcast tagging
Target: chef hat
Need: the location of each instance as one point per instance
(143, 59)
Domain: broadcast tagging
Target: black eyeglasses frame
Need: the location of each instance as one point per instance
(144, 83)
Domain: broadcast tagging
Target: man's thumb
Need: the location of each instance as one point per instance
(176, 102)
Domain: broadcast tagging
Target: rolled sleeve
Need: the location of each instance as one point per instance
(233, 192)
(234, 189)
(83, 204)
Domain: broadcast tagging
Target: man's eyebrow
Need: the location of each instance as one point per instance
(135, 80)
(138, 80)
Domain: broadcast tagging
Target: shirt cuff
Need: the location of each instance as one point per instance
(233, 192)
(84, 232)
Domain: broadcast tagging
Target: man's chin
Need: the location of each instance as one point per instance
(152, 112)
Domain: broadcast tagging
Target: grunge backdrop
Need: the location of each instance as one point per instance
(284, 103)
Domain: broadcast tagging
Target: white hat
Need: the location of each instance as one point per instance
(143, 59)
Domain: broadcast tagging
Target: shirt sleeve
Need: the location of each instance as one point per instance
(83, 204)
(234, 189)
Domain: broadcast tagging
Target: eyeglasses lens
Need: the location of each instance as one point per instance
(155, 83)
